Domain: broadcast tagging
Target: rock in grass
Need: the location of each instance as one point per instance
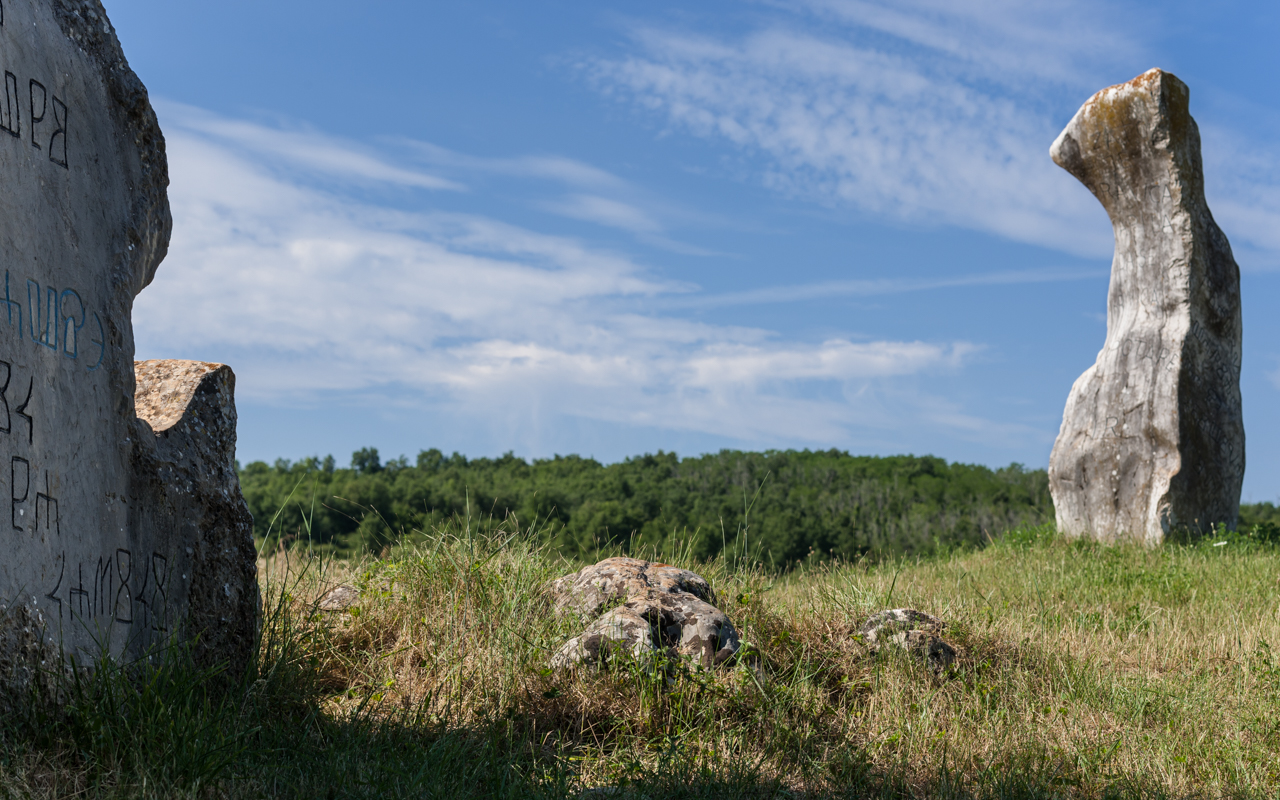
(339, 598)
(911, 630)
(127, 530)
(663, 609)
(1152, 438)
(589, 590)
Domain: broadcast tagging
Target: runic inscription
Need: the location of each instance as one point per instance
(126, 528)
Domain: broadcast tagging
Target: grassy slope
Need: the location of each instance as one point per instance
(1084, 671)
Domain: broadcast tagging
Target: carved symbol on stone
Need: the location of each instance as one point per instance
(50, 505)
(53, 593)
(22, 411)
(9, 114)
(15, 512)
(70, 323)
(124, 596)
(4, 399)
(44, 103)
(58, 141)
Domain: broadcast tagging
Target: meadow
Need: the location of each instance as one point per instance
(1083, 671)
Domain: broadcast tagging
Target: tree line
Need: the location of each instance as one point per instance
(780, 507)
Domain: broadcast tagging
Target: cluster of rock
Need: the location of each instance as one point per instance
(642, 609)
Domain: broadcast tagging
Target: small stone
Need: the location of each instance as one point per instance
(339, 598)
(911, 630)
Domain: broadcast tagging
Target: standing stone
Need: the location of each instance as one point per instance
(1152, 439)
(120, 534)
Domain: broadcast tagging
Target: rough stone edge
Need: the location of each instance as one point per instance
(1171, 96)
(193, 454)
(85, 23)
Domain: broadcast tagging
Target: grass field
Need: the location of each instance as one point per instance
(1084, 671)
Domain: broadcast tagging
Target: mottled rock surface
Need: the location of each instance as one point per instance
(124, 526)
(186, 484)
(590, 589)
(1152, 439)
(911, 630)
(339, 598)
(658, 608)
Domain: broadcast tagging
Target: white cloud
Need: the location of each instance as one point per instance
(604, 211)
(930, 112)
(305, 148)
(306, 291)
(550, 167)
(880, 286)
(1008, 41)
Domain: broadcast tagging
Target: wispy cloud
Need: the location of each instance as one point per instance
(306, 290)
(1006, 41)
(930, 112)
(306, 148)
(604, 211)
(564, 170)
(881, 286)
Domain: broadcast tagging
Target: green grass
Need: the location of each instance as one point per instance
(1084, 671)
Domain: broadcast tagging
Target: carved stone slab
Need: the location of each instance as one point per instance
(115, 534)
(1152, 438)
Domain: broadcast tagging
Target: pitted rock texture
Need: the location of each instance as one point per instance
(590, 589)
(125, 527)
(658, 614)
(190, 474)
(339, 598)
(29, 657)
(913, 631)
(1152, 438)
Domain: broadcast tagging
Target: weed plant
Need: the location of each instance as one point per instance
(1083, 671)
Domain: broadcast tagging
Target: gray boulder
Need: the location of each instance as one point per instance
(589, 590)
(1152, 438)
(910, 630)
(657, 609)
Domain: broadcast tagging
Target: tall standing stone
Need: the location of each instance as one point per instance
(1152, 439)
(118, 534)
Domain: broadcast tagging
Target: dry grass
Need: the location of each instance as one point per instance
(1084, 671)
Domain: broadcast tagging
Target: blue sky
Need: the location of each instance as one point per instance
(610, 228)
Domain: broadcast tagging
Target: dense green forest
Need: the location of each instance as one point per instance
(1266, 515)
(777, 506)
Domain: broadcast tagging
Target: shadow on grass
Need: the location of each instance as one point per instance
(165, 736)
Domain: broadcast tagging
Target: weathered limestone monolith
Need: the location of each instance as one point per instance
(122, 523)
(1152, 439)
